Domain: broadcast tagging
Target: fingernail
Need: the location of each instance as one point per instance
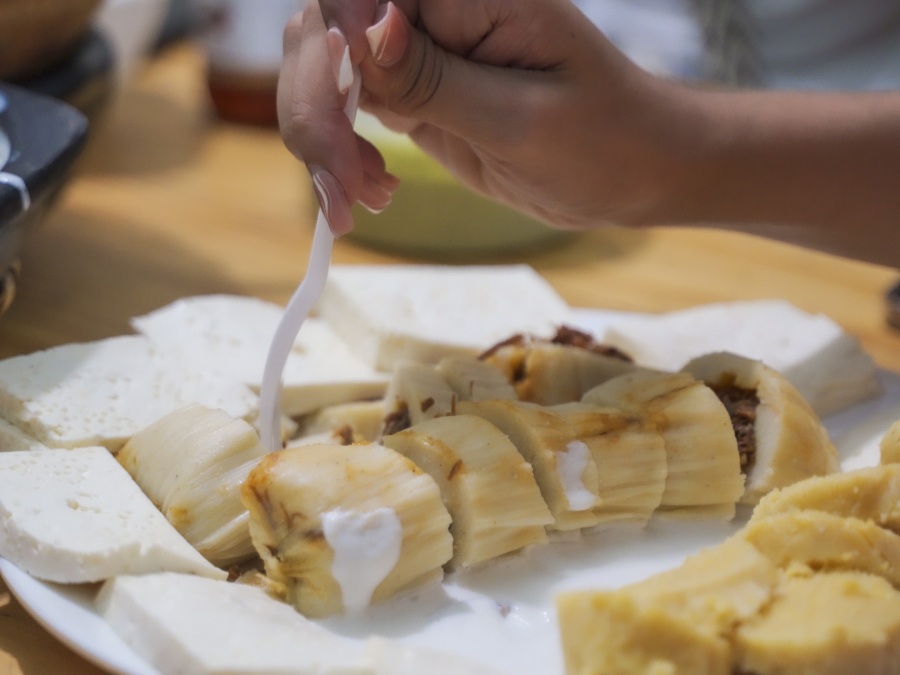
(339, 53)
(390, 182)
(377, 198)
(376, 209)
(332, 200)
(377, 33)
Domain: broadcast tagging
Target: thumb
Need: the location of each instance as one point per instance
(412, 76)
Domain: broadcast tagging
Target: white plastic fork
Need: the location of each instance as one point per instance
(297, 310)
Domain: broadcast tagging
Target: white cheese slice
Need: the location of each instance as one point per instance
(13, 438)
(826, 364)
(426, 312)
(184, 624)
(76, 516)
(234, 332)
(101, 393)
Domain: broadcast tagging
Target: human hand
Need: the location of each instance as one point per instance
(523, 100)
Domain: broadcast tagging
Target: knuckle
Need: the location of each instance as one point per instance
(421, 80)
(296, 125)
(293, 31)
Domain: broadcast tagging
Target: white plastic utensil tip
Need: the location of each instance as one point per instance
(297, 311)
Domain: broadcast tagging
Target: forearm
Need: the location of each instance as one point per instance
(822, 170)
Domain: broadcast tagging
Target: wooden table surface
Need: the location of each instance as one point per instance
(168, 202)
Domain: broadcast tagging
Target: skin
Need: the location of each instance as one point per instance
(528, 103)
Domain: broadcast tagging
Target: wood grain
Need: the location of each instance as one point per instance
(168, 201)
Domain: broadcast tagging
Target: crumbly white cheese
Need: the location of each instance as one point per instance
(13, 438)
(185, 624)
(570, 465)
(101, 393)
(827, 365)
(75, 516)
(426, 312)
(235, 332)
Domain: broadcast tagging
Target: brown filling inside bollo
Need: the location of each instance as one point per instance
(397, 421)
(566, 335)
(741, 405)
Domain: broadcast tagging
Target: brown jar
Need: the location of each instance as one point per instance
(243, 39)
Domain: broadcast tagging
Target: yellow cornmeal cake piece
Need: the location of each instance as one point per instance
(487, 486)
(823, 541)
(675, 622)
(890, 445)
(704, 475)
(785, 440)
(716, 587)
(612, 633)
(838, 623)
(872, 493)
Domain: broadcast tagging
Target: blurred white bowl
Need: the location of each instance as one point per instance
(133, 27)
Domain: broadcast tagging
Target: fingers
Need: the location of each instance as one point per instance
(316, 129)
(412, 76)
(351, 18)
(474, 69)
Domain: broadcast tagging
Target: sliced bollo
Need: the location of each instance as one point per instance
(191, 464)
(631, 464)
(548, 372)
(357, 420)
(475, 380)
(704, 475)
(343, 526)
(781, 439)
(486, 484)
(417, 392)
(565, 470)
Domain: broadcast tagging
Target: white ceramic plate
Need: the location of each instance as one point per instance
(502, 614)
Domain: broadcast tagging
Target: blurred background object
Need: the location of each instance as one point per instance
(55, 74)
(40, 138)
(803, 44)
(133, 28)
(662, 36)
(243, 39)
(36, 35)
(84, 79)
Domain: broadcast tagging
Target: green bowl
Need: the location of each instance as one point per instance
(433, 214)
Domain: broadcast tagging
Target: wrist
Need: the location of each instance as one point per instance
(685, 157)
